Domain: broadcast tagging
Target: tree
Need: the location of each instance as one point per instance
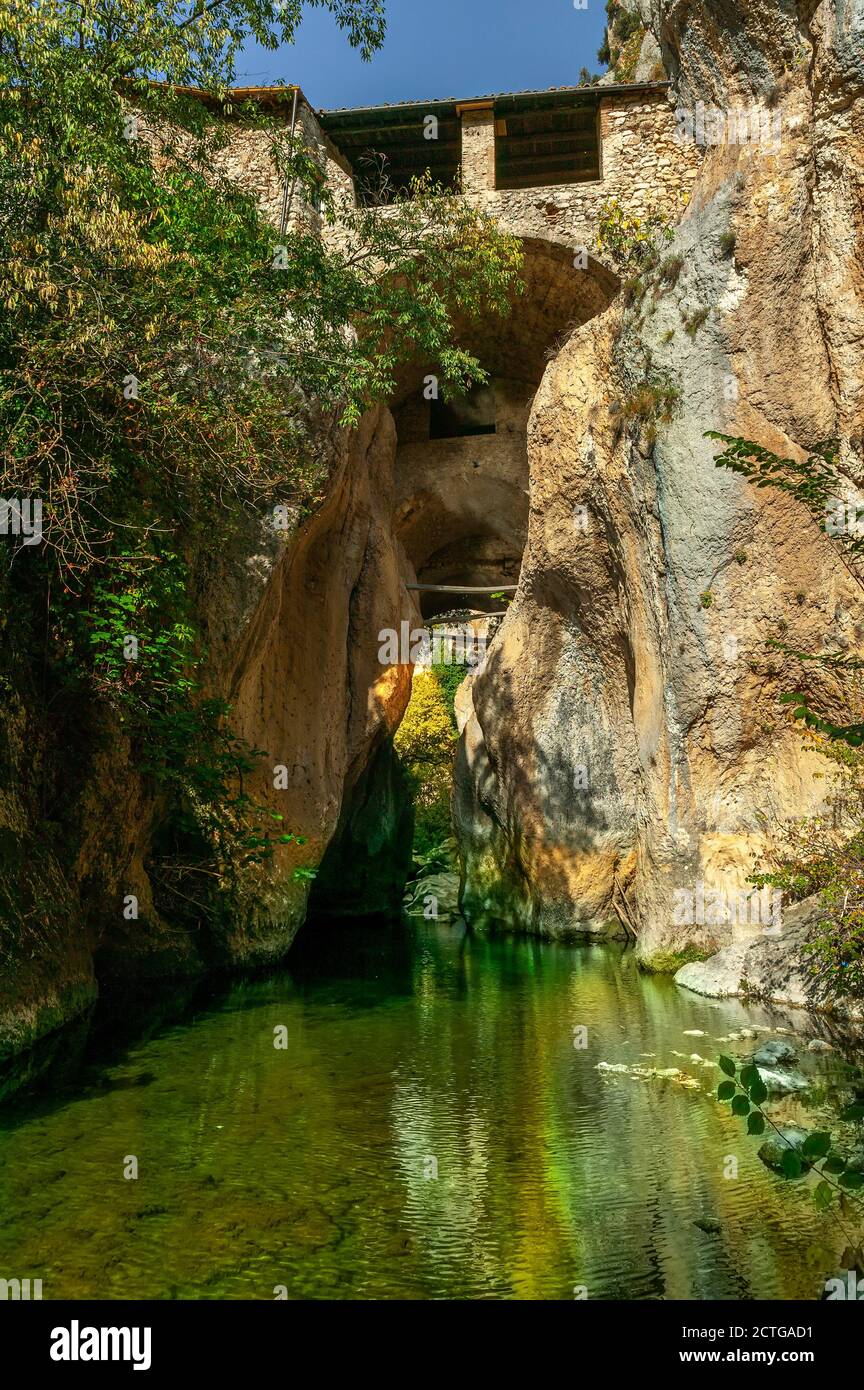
(163, 364)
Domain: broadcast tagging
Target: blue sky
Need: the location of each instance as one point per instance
(438, 48)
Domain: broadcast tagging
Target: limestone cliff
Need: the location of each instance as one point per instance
(291, 624)
(625, 737)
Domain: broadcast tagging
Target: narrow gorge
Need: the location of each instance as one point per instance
(541, 710)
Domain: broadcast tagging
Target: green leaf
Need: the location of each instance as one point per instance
(791, 1165)
(853, 1112)
(755, 1123)
(740, 1106)
(816, 1145)
(726, 1090)
(834, 1163)
(758, 1091)
(749, 1075)
(726, 1064)
(851, 1181)
(823, 1195)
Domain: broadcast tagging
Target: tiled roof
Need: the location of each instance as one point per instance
(583, 90)
(287, 90)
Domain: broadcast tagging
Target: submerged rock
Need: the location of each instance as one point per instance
(772, 1151)
(784, 1083)
(650, 1073)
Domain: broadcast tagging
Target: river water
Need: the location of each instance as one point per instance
(428, 1131)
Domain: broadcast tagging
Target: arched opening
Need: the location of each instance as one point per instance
(460, 516)
(461, 510)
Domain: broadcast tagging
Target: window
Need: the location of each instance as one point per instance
(389, 146)
(469, 415)
(546, 144)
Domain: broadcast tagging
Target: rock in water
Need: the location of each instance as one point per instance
(435, 897)
(784, 1083)
(772, 1151)
(775, 1053)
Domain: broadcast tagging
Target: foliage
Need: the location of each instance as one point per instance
(425, 742)
(822, 853)
(163, 363)
(158, 693)
(622, 41)
(815, 483)
(746, 1092)
(653, 398)
(670, 269)
(449, 676)
(812, 481)
(693, 322)
(631, 243)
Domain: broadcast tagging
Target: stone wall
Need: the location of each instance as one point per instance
(462, 503)
(248, 159)
(642, 165)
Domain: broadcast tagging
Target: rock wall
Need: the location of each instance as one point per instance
(307, 683)
(291, 623)
(625, 737)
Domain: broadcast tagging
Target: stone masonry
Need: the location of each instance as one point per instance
(643, 166)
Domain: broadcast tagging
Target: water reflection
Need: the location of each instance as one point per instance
(430, 1131)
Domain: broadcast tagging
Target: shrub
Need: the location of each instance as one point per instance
(425, 742)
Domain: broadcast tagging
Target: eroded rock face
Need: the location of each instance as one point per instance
(775, 969)
(291, 623)
(625, 739)
(307, 685)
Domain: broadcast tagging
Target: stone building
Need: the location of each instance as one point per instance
(543, 162)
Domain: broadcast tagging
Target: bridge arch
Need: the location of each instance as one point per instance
(460, 516)
(461, 499)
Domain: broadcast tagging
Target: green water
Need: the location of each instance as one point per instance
(410, 1053)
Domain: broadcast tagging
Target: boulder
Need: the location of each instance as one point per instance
(435, 897)
(772, 1151)
(775, 1053)
(784, 1083)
